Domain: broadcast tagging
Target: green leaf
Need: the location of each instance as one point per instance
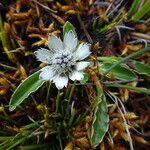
(143, 11)
(137, 89)
(142, 68)
(68, 27)
(133, 8)
(16, 143)
(109, 59)
(141, 51)
(85, 79)
(100, 122)
(34, 147)
(121, 72)
(28, 86)
(4, 138)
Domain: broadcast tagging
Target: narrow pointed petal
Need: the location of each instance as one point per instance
(82, 52)
(47, 73)
(70, 40)
(82, 65)
(44, 55)
(61, 81)
(54, 43)
(76, 75)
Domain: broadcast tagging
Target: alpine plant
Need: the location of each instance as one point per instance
(64, 59)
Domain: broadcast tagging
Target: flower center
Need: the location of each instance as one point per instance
(64, 60)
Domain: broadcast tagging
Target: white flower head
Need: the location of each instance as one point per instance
(64, 59)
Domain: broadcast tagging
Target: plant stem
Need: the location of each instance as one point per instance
(58, 101)
(61, 147)
(48, 91)
(71, 91)
(67, 92)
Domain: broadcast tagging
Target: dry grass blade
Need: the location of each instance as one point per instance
(115, 99)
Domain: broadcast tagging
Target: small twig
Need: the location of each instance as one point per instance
(110, 137)
(45, 7)
(124, 81)
(125, 27)
(59, 19)
(124, 110)
(105, 4)
(119, 34)
(8, 67)
(84, 29)
(52, 12)
(109, 7)
(82, 24)
(118, 30)
(139, 41)
(89, 83)
(141, 35)
(115, 8)
(140, 133)
(111, 82)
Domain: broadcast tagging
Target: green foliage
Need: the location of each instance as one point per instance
(85, 79)
(34, 147)
(127, 58)
(134, 8)
(99, 23)
(68, 27)
(28, 86)
(109, 59)
(137, 89)
(142, 68)
(100, 122)
(65, 116)
(103, 24)
(137, 12)
(145, 9)
(100, 117)
(121, 72)
(9, 144)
